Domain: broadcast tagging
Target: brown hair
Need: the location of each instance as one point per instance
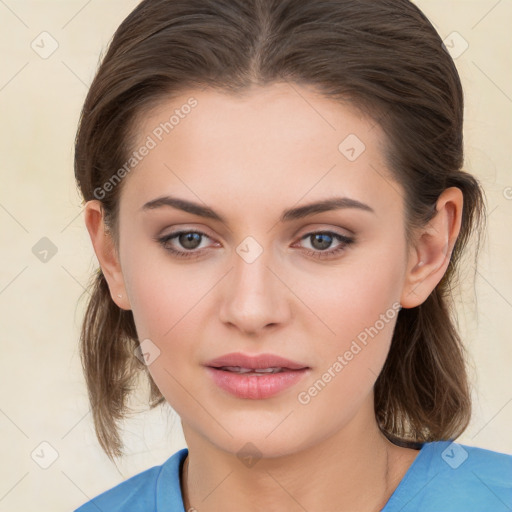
(386, 58)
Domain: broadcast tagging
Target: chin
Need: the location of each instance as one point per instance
(263, 439)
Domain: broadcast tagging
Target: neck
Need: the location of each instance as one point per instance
(355, 469)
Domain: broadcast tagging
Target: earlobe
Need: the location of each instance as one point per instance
(106, 253)
(430, 256)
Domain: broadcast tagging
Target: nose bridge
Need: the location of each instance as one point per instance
(253, 297)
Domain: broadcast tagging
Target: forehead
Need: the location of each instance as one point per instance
(281, 142)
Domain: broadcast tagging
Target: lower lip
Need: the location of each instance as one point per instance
(253, 386)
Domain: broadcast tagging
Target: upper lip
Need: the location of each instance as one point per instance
(255, 361)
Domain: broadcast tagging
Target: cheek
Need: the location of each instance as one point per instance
(358, 304)
(152, 304)
(164, 303)
(352, 296)
(162, 294)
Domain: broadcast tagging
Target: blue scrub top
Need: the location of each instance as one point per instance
(445, 477)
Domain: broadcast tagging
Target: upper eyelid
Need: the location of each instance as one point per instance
(319, 227)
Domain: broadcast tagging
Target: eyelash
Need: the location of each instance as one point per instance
(344, 242)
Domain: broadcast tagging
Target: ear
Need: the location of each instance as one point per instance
(106, 253)
(430, 256)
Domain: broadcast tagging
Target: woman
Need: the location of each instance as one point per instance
(274, 193)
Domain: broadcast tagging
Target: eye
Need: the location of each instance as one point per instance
(189, 240)
(322, 240)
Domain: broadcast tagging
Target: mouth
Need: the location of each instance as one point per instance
(255, 377)
(257, 364)
(256, 371)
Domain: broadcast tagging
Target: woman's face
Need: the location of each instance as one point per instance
(321, 288)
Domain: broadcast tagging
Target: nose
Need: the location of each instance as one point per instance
(254, 299)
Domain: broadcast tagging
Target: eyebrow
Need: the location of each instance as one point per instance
(335, 203)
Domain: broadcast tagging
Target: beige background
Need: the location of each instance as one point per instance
(43, 397)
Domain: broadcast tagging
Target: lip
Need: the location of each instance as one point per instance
(255, 361)
(255, 387)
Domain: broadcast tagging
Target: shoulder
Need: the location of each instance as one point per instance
(143, 490)
(464, 462)
(451, 476)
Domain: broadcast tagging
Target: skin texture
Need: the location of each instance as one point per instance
(249, 158)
